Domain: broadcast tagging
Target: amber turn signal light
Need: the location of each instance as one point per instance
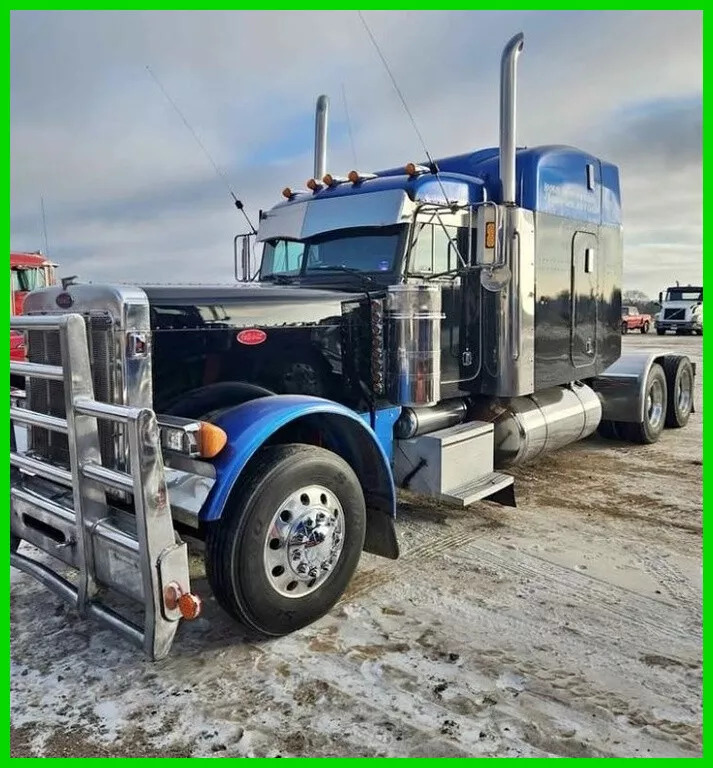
(211, 440)
(188, 604)
(490, 234)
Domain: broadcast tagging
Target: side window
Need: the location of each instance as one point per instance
(422, 251)
(287, 257)
(15, 275)
(434, 251)
(445, 257)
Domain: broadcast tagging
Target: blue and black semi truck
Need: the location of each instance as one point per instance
(426, 327)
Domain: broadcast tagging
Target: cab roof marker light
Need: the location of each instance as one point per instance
(356, 177)
(416, 170)
(333, 181)
(289, 194)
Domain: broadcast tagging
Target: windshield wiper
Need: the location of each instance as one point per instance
(367, 279)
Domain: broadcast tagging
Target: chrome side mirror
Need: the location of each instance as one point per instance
(245, 253)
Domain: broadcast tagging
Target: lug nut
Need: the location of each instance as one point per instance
(301, 568)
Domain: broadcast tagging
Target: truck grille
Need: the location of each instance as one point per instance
(674, 314)
(48, 396)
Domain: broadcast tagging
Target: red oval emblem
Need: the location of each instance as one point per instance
(251, 336)
(64, 300)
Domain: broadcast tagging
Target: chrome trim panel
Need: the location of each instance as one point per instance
(509, 314)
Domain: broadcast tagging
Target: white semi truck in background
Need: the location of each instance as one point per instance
(681, 310)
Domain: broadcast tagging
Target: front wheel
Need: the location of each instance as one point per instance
(661, 331)
(289, 539)
(624, 328)
(645, 328)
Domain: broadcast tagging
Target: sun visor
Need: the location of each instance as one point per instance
(302, 219)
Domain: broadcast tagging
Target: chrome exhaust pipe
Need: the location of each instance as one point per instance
(508, 83)
(320, 137)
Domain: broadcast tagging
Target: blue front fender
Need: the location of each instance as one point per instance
(251, 424)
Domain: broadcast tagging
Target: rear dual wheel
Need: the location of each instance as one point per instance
(679, 380)
(650, 428)
(668, 402)
(289, 540)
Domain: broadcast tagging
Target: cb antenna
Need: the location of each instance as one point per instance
(434, 167)
(349, 126)
(221, 175)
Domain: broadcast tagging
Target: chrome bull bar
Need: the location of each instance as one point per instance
(137, 555)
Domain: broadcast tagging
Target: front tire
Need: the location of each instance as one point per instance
(661, 331)
(624, 328)
(679, 381)
(655, 403)
(645, 328)
(289, 539)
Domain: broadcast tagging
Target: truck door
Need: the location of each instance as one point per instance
(585, 292)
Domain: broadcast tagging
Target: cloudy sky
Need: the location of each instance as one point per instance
(129, 195)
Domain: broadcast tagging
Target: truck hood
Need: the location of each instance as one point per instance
(251, 305)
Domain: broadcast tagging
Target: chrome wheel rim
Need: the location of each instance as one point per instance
(683, 391)
(304, 541)
(654, 404)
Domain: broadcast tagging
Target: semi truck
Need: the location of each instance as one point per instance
(681, 310)
(28, 271)
(428, 326)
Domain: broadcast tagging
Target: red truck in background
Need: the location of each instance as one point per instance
(631, 320)
(27, 272)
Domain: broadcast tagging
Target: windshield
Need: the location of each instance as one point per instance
(684, 294)
(28, 278)
(360, 250)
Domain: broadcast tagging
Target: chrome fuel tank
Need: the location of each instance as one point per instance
(530, 426)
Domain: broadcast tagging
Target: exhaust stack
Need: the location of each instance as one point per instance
(320, 137)
(508, 83)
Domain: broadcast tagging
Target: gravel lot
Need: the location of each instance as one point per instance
(570, 626)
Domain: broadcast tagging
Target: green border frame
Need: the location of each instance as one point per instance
(707, 279)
